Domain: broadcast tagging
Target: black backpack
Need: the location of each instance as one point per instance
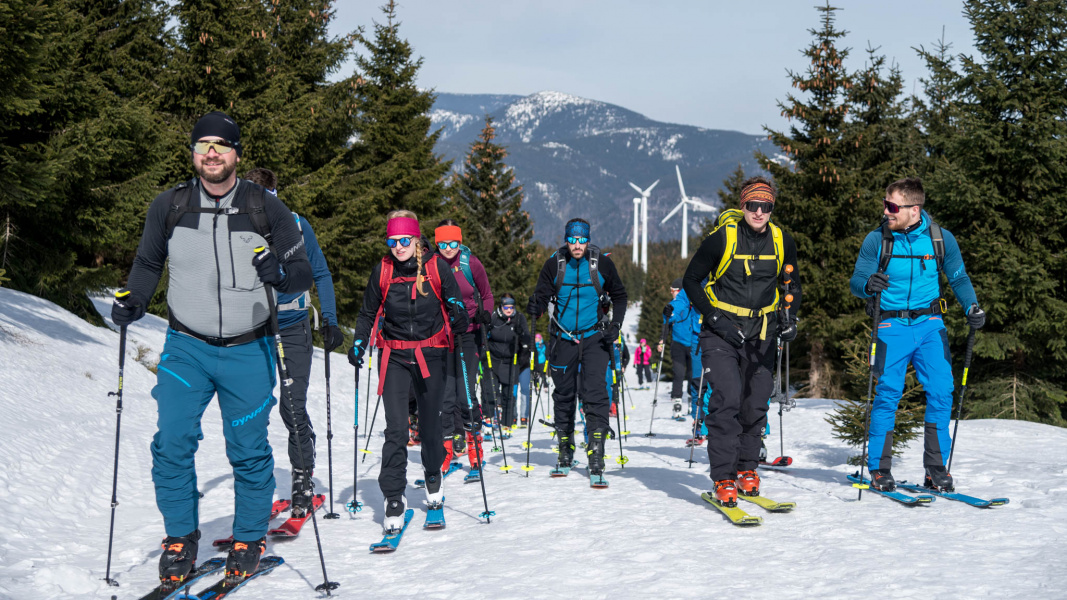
(593, 254)
(181, 200)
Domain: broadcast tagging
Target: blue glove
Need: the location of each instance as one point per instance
(356, 352)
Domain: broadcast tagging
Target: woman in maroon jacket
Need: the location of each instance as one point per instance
(410, 306)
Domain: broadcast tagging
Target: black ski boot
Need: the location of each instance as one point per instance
(938, 478)
(596, 451)
(882, 480)
(243, 560)
(459, 444)
(303, 493)
(178, 560)
(566, 451)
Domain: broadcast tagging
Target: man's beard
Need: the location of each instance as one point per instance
(220, 177)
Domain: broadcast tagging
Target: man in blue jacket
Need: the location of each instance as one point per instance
(295, 325)
(580, 281)
(905, 285)
(685, 327)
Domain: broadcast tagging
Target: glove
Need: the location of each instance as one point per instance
(533, 309)
(126, 309)
(525, 342)
(611, 332)
(457, 314)
(668, 311)
(267, 267)
(876, 283)
(355, 354)
(723, 327)
(787, 331)
(975, 317)
(483, 316)
(332, 337)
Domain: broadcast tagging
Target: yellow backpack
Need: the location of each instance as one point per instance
(729, 220)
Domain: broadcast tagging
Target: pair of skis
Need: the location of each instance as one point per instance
(435, 519)
(596, 480)
(739, 517)
(927, 495)
(290, 528)
(217, 590)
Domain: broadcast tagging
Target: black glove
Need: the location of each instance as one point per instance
(332, 337)
(975, 317)
(483, 316)
(457, 314)
(668, 311)
(267, 267)
(525, 342)
(876, 283)
(356, 352)
(787, 331)
(126, 309)
(723, 327)
(611, 332)
(533, 309)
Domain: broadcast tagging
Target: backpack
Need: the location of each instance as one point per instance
(441, 339)
(938, 240)
(180, 203)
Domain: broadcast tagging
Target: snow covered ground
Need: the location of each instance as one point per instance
(650, 533)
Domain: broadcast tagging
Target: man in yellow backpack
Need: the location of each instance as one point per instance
(742, 261)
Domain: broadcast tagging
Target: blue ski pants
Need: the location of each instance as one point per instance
(925, 345)
(190, 374)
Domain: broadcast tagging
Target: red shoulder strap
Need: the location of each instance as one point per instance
(434, 275)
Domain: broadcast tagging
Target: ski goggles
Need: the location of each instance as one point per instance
(404, 241)
(577, 240)
(219, 146)
(893, 207)
(453, 245)
(508, 307)
(753, 206)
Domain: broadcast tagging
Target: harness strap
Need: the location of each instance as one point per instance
(936, 307)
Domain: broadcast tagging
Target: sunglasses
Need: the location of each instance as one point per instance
(404, 241)
(219, 146)
(756, 206)
(893, 207)
(452, 245)
(508, 307)
(577, 240)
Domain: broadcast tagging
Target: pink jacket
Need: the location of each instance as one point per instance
(643, 356)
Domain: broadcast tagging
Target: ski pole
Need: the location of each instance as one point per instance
(859, 485)
(622, 460)
(355, 505)
(366, 449)
(659, 371)
(474, 434)
(784, 406)
(370, 368)
(120, 296)
(283, 373)
(529, 436)
(963, 391)
(329, 437)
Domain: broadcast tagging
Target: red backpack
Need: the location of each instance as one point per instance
(441, 339)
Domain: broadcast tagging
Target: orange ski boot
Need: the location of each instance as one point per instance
(726, 492)
(748, 483)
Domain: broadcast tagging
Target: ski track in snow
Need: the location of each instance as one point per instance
(648, 533)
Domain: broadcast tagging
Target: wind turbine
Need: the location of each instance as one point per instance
(637, 221)
(644, 222)
(684, 207)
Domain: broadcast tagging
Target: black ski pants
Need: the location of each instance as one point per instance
(454, 413)
(400, 378)
(504, 381)
(591, 369)
(741, 381)
(682, 366)
(646, 371)
(296, 340)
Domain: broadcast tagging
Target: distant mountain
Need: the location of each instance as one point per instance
(574, 157)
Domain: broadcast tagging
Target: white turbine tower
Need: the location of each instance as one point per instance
(684, 207)
(644, 223)
(637, 221)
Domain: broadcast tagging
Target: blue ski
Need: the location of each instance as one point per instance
(899, 497)
(392, 540)
(435, 517)
(563, 471)
(598, 481)
(221, 589)
(979, 502)
(206, 568)
(452, 468)
(473, 476)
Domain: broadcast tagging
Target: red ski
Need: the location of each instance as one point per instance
(276, 509)
(291, 527)
(781, 461)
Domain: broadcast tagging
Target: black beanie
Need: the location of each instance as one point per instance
(677, 284)
(217, 124)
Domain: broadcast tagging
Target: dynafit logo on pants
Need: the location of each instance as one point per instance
(253, 414)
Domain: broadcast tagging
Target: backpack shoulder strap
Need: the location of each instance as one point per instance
(465, 265)
(433, 273)
(179, 205)
(887, 247)
(730, 230)
(299, 222)
(938, 239)
(593, 253)
(779, 246)
(561, 268)
(257, 211)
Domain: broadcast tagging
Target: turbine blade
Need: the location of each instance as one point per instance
(672, 213)
(635, 187)
(649, 190)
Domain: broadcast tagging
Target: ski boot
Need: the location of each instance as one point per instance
(748, 483)
(394, 513)
(435, 490)
(882, 480)
(677, 407)
(448, 455)
(178, 560)
(726, 492)
(938, 478)
(614, 410)
(596, 451)
(413, 430)
(303, 493)
(566, 451)
(459, 444)
(243, 560)
(474, 446)
(763, 452)
(523, 422)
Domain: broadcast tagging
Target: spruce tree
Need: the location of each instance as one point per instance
(996, 178)
(390, 165)
(487, 203)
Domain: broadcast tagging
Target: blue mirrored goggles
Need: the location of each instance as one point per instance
(404, 241)
(452, 245)
(577, 240)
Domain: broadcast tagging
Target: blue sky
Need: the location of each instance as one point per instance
(708, 63)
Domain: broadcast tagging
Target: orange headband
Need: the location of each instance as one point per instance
(760, 192)
(448, 233)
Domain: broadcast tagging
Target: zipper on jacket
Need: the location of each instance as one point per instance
(218, 269)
